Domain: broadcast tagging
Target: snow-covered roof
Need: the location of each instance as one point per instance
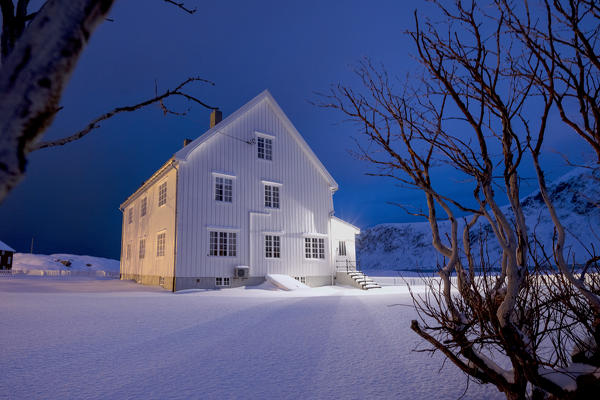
(183, 154)
(5, 247)
(348, 224)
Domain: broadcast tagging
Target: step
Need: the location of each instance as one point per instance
(364, 280)
(371, 286)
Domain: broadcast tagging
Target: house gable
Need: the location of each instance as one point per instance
(185, 153)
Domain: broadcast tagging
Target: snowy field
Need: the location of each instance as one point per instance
(98, 339)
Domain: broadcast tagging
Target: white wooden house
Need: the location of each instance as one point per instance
(246, 199)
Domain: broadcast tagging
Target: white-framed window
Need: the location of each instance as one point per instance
(272, 246)
(341, 248)
(222, 281)
(223, 189)
(300, 279)
(222, 244)
(314, 248)
(160, 244)
(143, 207)
(128, 252)
(142, 252)
(162, 194)
(264, 147)
(272, 196)
(130, 215)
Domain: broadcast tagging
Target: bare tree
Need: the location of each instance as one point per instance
(39, 51)
(482, 105)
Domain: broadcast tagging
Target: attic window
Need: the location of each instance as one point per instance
(162, 194)
(264, 148)
(144, 207)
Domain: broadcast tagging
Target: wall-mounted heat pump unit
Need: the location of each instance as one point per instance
(242, 272)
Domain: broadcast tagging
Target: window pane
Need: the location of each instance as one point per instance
(268, 149)
(232, 244)
(321, 248)
(268, 246)
(142, 252)
(162, 194)
(267, 196)
(223, 243)
(307, 252)
(276, 246)
(219, 189)
(143, 207)
(228, 191)
(261, 147)
(275, 193)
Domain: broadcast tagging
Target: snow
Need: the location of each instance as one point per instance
(98, 339)
(408, 246)
(285, 282)
(5, 247)
(40, 262)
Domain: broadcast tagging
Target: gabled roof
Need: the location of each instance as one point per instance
(184, 153)
(5, 247)
(348, 224)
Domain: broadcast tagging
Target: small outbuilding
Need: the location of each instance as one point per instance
(6, 256)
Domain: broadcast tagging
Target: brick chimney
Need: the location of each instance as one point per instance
(186, 142)
(215, 117)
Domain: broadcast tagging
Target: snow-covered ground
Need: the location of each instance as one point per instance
(65, 262)
(98, 339)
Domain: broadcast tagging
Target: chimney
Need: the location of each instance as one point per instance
(215, 117)
(186, 142)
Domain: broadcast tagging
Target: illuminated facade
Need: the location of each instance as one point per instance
(246, 199)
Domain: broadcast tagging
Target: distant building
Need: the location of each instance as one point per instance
(246, 199)
(6, 256)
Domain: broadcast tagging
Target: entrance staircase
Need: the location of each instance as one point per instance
(348, 274)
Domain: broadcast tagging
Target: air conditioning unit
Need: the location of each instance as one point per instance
(241, 272)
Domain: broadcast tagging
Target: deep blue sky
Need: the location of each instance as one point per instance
(70, 197)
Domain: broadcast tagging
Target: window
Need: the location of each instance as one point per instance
(160, 244)
(265, 148)
(223, 189)
(130, 215)
(341, 248)
(143, 207)
(272, 246)
(223, 244)
(301, 279)
(222, 281)
(142, 248)
(162, 194)
(314, 248)
(271, 196)
(9, 259)
(128, 252)
(161, 280)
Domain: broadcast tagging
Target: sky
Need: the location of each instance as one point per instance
(69, 200)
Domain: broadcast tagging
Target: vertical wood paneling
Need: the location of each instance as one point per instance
(305, 200)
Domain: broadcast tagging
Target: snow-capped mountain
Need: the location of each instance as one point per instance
(576, 196)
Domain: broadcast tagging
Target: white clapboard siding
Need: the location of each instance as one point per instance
(305, 197)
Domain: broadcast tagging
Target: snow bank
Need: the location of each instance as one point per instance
(285, 282)
(63, 262)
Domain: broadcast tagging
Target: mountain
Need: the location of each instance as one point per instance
(407, 246)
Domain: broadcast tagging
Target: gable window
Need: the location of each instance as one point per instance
(162, 194)
(271, 196)
(223, 189)
(222, 244)
(314, 248)
(130, 215)
(272, 246)
(265, 148)
(144, 207)
(142, 252)
(160, 244)
(341, 248)
(222, 281)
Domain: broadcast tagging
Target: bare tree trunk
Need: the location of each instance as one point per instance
(34, 75)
